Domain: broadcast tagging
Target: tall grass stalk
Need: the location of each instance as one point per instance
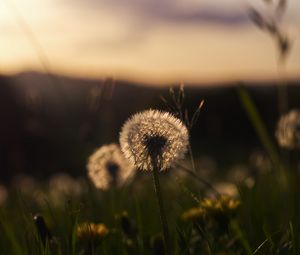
(259, 126)
(282, 89)
(240, 235)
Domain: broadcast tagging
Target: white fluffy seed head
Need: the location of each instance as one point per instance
(107, 167)
(288, 130)
(154, 134)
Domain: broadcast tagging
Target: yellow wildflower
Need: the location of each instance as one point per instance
(195, 213)
(88, 230)
(223, 204)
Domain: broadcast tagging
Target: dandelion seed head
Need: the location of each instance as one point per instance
(249, 182)
(288, 130)
(26, 184)
(227, 188)
(238, 173)
(260, 162)
(154, 135)
(62, 187)
(62, 184)
(107, 167)
(224, 188)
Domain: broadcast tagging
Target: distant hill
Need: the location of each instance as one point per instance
(51, 124)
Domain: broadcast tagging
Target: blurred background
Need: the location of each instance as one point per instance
(71, 72)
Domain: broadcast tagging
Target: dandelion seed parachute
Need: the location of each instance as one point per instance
(288, 130)
(153, 133)
(107, 167)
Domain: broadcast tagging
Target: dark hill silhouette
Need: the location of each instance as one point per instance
(51, 124)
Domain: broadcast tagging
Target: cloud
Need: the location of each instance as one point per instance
(170, 11)
(138, 19)
(207, 16)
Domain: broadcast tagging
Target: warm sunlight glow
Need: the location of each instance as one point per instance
(160, 43)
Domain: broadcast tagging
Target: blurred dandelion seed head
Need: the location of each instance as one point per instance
(288, 130)
(154, 135)
(107, 167)
(62, 186)
(238, 173)
(260, 162)
(224, 188)
(249, 182)
(27, 185)
(62, 183)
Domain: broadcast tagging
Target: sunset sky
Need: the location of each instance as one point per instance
(154, 41)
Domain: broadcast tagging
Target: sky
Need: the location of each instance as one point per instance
(150, 41)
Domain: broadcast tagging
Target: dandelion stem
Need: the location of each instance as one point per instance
(202, 232)
(163, 217)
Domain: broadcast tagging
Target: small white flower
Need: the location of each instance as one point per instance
(288, 130)
(154, 135)
(108, 167)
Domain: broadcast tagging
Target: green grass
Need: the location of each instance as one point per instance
(266, 222)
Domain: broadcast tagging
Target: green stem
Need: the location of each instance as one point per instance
(198, 178)
(282, 88)
(203, 234)
(163, 217)
(192, 157)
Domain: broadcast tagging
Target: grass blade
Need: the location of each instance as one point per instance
(259, 126)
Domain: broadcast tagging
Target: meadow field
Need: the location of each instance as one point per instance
(139, 163)
(248, 204)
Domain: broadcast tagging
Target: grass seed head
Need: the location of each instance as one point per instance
(42, 228)
(126, 224)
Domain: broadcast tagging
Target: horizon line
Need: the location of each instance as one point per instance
(162, 82)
